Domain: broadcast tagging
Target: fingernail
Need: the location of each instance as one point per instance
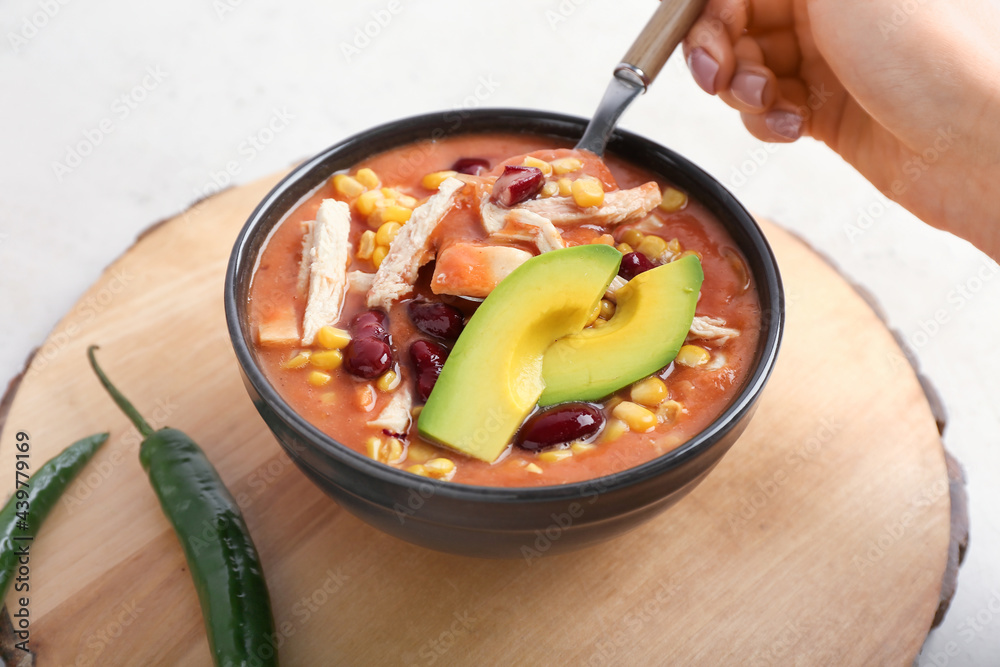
(784, 123)
(704, 68)
(748, 87)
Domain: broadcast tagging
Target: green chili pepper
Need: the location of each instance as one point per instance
(24, 513)
(220, 553)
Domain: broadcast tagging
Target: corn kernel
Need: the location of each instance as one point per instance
(420, 452)
(415, 411)
(318, 378)
(624, 248)
(440, 468)
(394, 451)
(688, 253)
(327, 359)
(637, 417)
(540, 164)
(550, 189)
(652, 247)
(673, 200)
(633, 237)
(387, 233)
(378, 255)
(434, 180)
(674, 246)
(588, 192)
(406, 200)
(668, 411)
(332, 338)
(565, 165)
(297, 361)
(347, 186)
(692, 356)
(387, 381)
(366, 245)
(396, 213)
(615, 429)
(555, 455)
(367, 202)
(607, 309)
(604, 239)
(649, 392)
(579, 447)
(531, 467)
(373, 447)
(367, 178)
(418, 470)
(565, 187)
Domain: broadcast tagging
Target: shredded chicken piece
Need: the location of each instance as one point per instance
(302, 283)
(616, 284)
(328, 257)
(618, 207)
(712, 328)
(360, 281)
(411, 249)
(395, 417)
(518, 224)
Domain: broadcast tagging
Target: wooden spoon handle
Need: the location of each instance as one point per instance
(665, 30)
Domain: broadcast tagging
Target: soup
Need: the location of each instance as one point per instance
(362, 290)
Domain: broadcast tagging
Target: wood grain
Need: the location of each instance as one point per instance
(821, 538)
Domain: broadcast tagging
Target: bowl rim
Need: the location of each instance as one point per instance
(772, 313)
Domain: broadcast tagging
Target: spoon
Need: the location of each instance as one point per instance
(634, 74)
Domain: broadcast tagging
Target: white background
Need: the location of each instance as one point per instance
(223, 69)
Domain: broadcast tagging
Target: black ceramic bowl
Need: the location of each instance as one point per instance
(491, 521)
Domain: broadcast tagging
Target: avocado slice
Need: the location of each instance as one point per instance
(493, 377)
(653, 317)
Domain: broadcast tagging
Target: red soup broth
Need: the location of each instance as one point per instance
(343, 407)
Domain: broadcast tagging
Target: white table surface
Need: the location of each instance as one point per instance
(164, 96)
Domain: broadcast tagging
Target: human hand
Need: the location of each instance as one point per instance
(904, 90)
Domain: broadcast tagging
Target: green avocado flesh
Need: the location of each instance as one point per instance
(651, 321)
(493, 376)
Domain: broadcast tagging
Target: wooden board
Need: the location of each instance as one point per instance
(820, 539)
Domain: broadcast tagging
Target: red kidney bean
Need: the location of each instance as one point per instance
(429, 358)
(367, 357)
(436, 319)
(633, 264)
(471, 165)
(517, 184)
(558, 425)
(370, 324)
